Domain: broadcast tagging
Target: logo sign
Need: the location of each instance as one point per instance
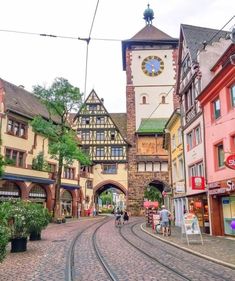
(230, 161)
(198, 183)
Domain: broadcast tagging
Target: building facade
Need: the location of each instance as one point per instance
(189, 82)
(149, 59)
(218, 103)
(19, 143)
(103, 137)
(174, 145)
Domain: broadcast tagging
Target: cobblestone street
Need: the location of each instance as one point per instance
(129, 252)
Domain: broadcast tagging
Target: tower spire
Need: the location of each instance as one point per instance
(148, 15)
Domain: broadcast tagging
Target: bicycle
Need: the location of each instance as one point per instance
(158, 229)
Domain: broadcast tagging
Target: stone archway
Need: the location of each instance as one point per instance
(105, 185)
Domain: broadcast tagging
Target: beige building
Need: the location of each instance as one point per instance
(22, 178)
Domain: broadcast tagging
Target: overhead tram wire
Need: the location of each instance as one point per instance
(87, 49)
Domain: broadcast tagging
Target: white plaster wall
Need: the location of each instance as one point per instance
(194, 155)
(153, 87)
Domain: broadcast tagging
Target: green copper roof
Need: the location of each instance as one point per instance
(153, 125)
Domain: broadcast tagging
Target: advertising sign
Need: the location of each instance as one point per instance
(198, 183)
(180, 187)
(191, 226)
(230, 162)
(150, 204)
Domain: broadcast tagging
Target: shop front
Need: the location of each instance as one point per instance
(180, 207)
(66, 204)
(9, 189)
(38, 195)
(222, 206)
(198, 204)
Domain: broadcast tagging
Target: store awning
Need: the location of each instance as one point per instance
(13, 177)
(69, 186)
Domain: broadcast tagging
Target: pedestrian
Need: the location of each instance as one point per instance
(165, 218)
(94, 212)
(125, 217)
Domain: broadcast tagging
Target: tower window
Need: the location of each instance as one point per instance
(163, 99)
(144, 101)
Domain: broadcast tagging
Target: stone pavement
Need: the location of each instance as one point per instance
(218, 249)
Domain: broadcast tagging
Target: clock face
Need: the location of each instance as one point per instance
(152, 65)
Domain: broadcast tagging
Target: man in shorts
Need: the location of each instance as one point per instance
(164, 216)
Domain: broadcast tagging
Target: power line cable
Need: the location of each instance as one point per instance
(87, 49)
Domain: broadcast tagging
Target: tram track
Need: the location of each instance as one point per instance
(69, 271)
(176, 272)
(203, 268)
(179, 259)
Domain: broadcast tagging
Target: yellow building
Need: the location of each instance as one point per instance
(20, 143)
(173, 143)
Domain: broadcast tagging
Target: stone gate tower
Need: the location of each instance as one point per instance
(149, 59)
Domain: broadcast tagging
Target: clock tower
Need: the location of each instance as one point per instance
(150, 62)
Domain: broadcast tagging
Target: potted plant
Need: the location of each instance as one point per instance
(39, 218)
(4, 233)
(17, 216)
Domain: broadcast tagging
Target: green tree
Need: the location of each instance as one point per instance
(152, 194)
(60, 99)
(106, 197)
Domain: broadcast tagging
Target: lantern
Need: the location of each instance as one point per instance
(232, 225)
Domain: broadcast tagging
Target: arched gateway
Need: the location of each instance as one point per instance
(106, 185)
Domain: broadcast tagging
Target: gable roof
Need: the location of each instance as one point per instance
(22, 102)
(195, 36)
(150, 32)
(152, 125)
(120, 120)
(149, 35)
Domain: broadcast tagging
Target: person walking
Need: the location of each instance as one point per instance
(165, 219)
(125, 217)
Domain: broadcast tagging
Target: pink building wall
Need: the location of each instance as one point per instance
(216, 131)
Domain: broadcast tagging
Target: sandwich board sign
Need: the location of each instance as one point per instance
(191, 227)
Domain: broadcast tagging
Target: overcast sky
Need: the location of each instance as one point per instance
(30, 59)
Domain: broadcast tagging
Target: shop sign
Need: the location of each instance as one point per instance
(198, 183)
(230, 187)
(213, 185)
(150, 204)
(191, 226)
(180, 187)
(230, 162)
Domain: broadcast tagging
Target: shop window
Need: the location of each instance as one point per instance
(85, 120)
(9, 189)
(116, 151)
(173, 142)
(216, 109)
(85, 135)
(179, 132)
(100, 135)
(228, 206)
(109, 169)
(51, 167)
(100, 120)
(232, 140)
(197, 133)
(17, 157)
(232, 95)
(189, 141)
(163, 100)
(112, 136)
(99, 151)
(69, 173)
(220, 155)
(66, 204)
(37, 193)
(144, 100)
(141, 167)
(17, 128)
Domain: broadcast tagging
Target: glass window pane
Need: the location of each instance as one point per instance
(220, 155)
(217, 109)
(233, 95)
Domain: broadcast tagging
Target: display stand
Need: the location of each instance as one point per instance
(191, 229)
